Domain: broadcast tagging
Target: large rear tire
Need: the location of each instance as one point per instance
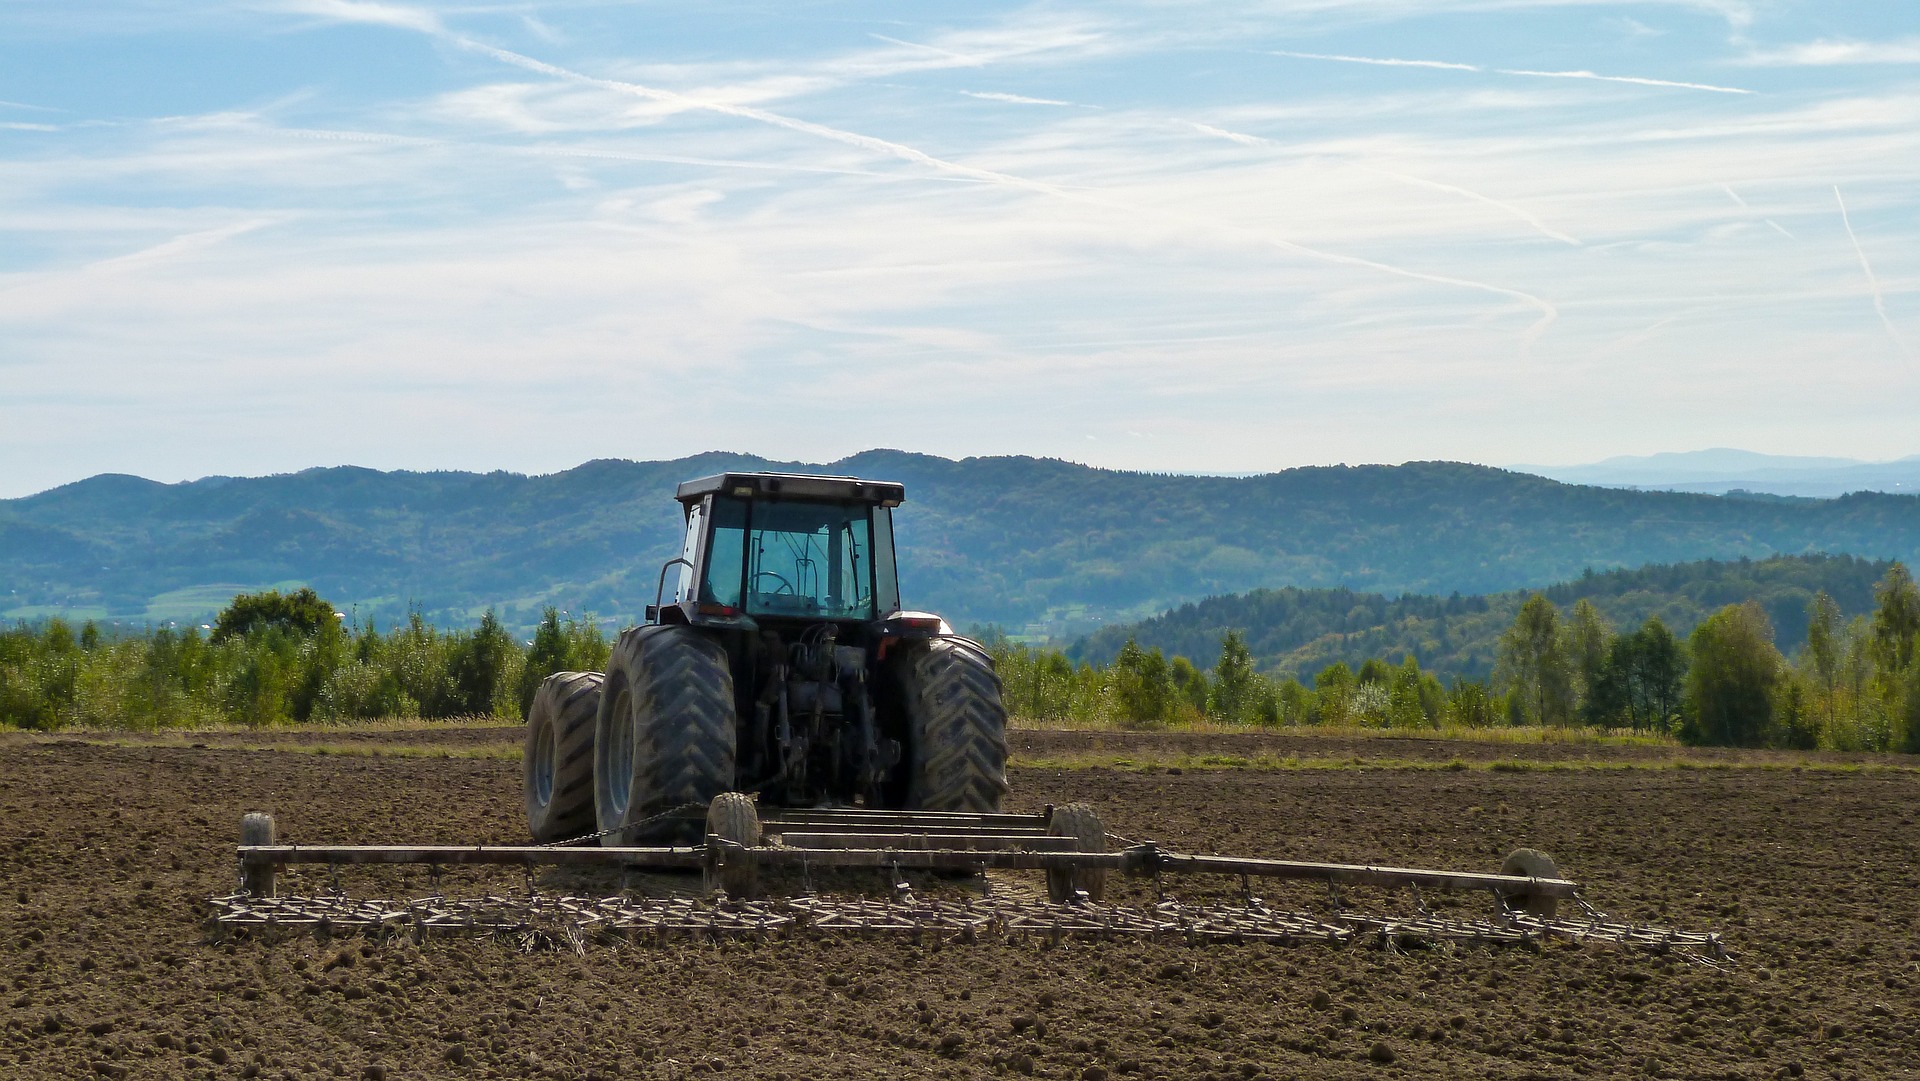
(956, 728)
(558, 764)
(665, 736)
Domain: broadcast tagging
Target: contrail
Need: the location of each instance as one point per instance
(1873, 283)
(744, 112)
(1777, 227)
(185, 244)
(1634, 79)
(1017, 99)
(1381, 61)
(1542, 227)
(352, 10)
(1519, 212)
(1390, 62)
(1230, 136)
(970, 61)
(1548, 313)
(386, 139)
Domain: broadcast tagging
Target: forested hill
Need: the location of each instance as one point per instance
(1034, 544)
(1297, 632)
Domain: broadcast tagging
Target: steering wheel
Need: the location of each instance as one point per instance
(784, 586)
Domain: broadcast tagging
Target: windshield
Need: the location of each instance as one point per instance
(791, 558)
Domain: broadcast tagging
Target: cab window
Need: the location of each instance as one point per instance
(792, 558)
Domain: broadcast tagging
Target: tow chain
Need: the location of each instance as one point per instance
(643, 824)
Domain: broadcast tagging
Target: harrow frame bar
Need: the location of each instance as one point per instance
(836, 838)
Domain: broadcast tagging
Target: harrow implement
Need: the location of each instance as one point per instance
(839, 838)
(1058, 841)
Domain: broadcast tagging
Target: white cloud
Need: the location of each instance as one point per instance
(367, 12)
(1827, 53)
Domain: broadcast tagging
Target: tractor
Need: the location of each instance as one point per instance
(778, 663)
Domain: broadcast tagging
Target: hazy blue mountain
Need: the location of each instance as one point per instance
(1723, 470)
(1297, 632)
(1034, 545)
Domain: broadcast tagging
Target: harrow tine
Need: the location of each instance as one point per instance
(573, 921)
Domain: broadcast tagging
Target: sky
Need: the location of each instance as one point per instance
(254, 237)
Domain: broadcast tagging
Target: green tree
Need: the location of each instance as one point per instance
(1295, 702)
(1473, 704)
(1896, 622)
(301, 612)
(1588, 641)
(1236, 686)
(1795, 721)
(477, 667)
(1662, 671)
(1641, 681)
(547, 654)
(1910, 741)
(1143, 688)
(1825, 649)
(1731, 682)
(1404, 709)
(1534, 666)
(1189, 685)
(571, 645)
(1333, 694)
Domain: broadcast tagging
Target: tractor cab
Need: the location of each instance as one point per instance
(779, 547)
(791, 579)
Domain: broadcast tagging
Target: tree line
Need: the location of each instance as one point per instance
(1853, 685)
(273, 658)
(1298, 632)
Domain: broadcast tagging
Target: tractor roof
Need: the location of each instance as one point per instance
(794, 486)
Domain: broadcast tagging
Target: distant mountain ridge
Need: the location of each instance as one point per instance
(1036, 545)
(1723, 470)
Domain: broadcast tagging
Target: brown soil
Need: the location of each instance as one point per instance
(1813, 877)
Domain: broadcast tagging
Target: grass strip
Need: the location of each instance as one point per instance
(503, 750)
(1188, 763)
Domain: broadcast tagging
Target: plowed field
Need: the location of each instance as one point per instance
(1812, 874)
